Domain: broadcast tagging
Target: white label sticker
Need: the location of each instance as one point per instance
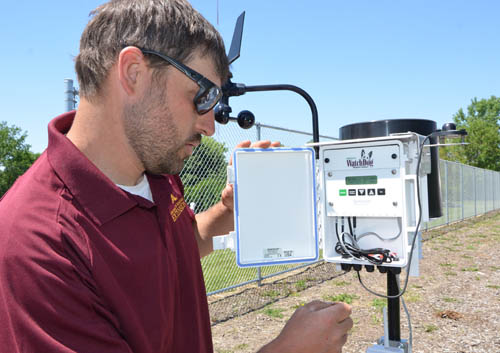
(273, 253)
(287, 253)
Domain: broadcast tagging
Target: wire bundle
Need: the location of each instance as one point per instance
(376, 256)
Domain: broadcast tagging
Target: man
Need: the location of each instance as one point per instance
(98, 251)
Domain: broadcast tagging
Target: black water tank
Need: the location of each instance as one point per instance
(423, 127)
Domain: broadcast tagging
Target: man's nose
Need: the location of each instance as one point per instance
(206, 123)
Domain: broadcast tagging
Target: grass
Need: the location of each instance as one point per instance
(376, 319)
(483, 236)
(341, 283)
(300, 285)
(447, 265)
(343, 297)
(295, 307)
(274, 312)
(221, 271)
(470, 269)
(241, 346)
(450, 273)
(271, 294)
(412, 297)
(493, 286)
(444, 238)
(450, 300)
(379, 304)
(430, 328)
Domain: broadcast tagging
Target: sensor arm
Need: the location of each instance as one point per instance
(298, 90)
(231, 89)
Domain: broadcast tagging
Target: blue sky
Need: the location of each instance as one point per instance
(360, 60)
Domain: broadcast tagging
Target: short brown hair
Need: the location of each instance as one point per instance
(172, 27)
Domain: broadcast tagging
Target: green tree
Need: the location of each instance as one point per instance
(482, 122)
(15, 155)
(204, 174)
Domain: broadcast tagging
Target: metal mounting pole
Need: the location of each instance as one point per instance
(393, 308)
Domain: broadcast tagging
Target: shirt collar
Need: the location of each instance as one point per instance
(95, 192)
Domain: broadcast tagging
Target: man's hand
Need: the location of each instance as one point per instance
(316, 327)
(227, 193)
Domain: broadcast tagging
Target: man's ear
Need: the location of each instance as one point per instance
(132, 70)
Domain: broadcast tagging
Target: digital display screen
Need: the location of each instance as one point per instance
(361, 180)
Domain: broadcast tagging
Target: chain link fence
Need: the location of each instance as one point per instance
(466, 192)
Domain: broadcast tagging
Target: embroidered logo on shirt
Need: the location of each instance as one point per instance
(180, 205)
(173, 198)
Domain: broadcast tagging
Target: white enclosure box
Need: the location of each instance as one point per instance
(369, 188)
(275, 206)
(365, 187)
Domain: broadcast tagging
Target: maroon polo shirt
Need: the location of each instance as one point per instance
(88, 267)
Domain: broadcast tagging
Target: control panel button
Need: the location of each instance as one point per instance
(371, 192)
(352, 192)
(381, 192)
(361, 192)
(342, 192)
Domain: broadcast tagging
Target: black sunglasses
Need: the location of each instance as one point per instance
(209, 93)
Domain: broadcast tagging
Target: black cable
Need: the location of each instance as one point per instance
(376, 256)
(416, 231)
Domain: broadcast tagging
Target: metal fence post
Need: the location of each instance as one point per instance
(447, 192)
(492, 190)
(498, 188)
(475, 190)
(495, 190)
(259, 269)
(484, 183)
(462, 189)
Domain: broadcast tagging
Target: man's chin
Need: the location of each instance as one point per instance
(171, 169)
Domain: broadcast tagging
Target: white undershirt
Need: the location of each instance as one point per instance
(141, 189)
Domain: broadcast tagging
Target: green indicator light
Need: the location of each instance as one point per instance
(342, 192)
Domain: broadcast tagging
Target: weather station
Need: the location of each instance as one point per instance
(361, 200)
